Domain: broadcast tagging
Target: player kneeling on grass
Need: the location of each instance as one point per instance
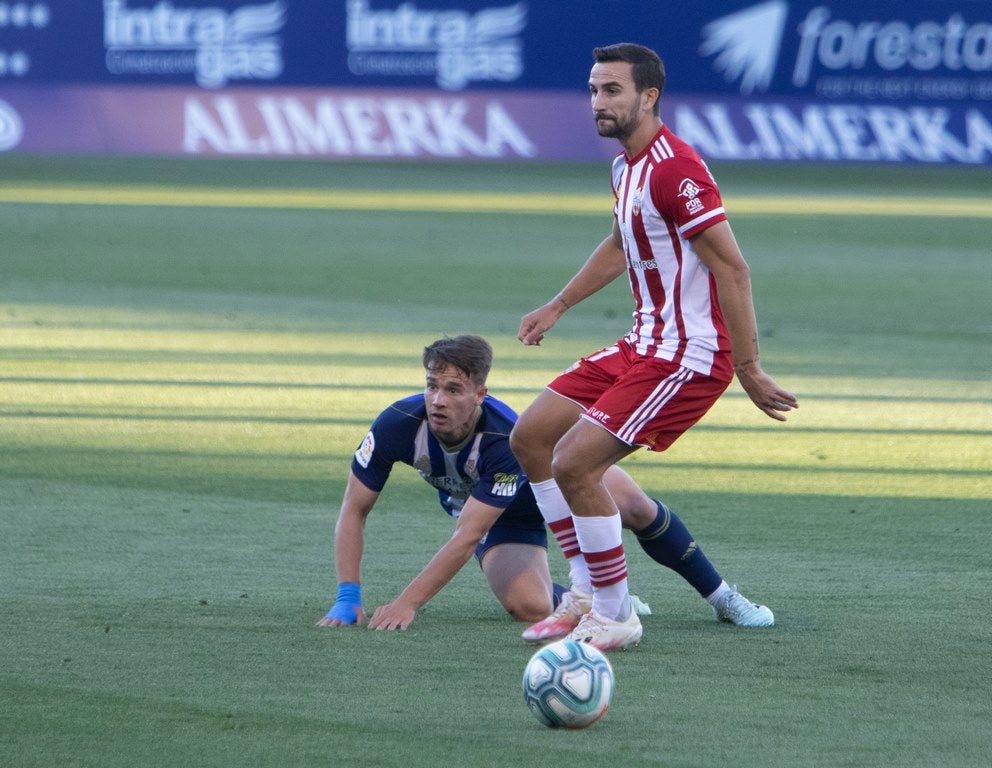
(457, 437)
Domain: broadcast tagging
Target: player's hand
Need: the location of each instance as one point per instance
(342, 614)
(765, 393)
(393, 615)
(534, 324)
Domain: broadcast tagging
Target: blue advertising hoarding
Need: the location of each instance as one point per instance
(772, 80)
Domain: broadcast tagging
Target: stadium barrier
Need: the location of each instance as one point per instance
(799, 81)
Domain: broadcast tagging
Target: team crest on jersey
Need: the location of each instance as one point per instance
(364, 453)
(638, 201)
(690, 191)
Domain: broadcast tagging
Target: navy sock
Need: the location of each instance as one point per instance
(557, 590)
(669, 542)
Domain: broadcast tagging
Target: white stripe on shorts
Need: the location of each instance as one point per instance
(665, 391)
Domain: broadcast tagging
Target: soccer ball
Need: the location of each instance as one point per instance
(568, 684)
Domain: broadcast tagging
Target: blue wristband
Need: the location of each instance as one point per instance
(349, 598)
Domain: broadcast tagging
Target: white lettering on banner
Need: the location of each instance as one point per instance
(925, 59)
(892, 45)
(213, 44)
(893, 88)
(834, 132)
(358, 126)
(454, 46)
(11, 127)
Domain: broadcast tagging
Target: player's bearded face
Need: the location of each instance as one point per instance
(617, 126)
(452, 401)
(615, 100)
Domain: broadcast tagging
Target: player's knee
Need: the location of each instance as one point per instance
(525, 445)
(566, 470)
(528, 609)
(636, 513)
(518, 441)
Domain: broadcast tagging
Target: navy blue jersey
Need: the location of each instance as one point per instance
(484, 468)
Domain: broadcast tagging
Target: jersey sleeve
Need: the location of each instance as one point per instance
(386, 443)
(687, 194)
(615, 173)
(500, 476)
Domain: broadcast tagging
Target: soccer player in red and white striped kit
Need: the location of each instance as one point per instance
(694, 328)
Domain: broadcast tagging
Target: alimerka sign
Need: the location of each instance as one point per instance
(767, 80)
(500, 125)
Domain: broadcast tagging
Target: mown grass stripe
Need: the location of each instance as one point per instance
(473, 202)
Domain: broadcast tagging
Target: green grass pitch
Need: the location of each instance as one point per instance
(183, 382)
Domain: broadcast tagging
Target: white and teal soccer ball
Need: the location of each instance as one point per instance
(568, 684)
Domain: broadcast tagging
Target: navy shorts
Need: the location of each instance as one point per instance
(507, 534)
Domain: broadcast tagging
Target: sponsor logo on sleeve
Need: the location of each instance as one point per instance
(364, 453)
(689, 190)
(504, 484)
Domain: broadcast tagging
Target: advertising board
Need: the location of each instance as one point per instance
(767, 80)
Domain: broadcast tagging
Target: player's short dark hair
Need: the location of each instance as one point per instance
(647, 68)
(472, 355)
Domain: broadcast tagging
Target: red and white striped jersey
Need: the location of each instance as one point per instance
(665, 196)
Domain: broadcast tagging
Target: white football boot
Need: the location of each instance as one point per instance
(573, 606)
(605, 634)
(734, 608)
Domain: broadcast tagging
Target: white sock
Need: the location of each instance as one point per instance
(601, 539)
(718, 593)
(558, 516)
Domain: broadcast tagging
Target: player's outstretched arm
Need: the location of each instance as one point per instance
(605, 264)
(349, 543)
(718, 250)
(474, 522)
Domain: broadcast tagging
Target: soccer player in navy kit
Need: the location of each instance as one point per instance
(457, 437)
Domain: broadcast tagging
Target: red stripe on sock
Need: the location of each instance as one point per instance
(610, 554)
(565, 524)
(606, 568)
(564, 532)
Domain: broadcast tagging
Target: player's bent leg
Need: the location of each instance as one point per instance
(519, 577)
(538, 430)
(637, 509)
(581, 459)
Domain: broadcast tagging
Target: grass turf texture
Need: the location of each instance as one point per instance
(182, 389)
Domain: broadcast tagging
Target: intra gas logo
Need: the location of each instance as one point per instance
(454, 47)
(213, 44)
(746, 46)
